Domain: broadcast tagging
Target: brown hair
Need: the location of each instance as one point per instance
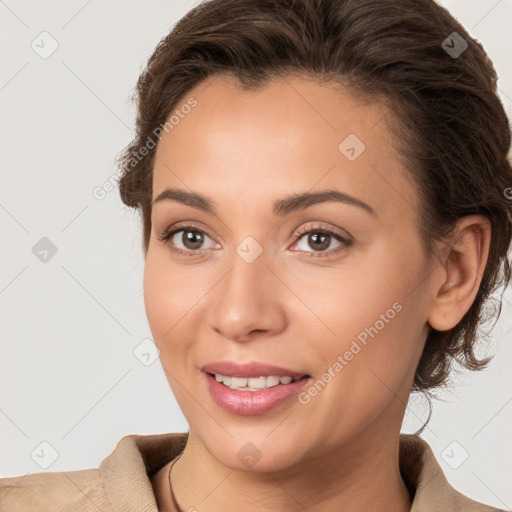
(453, 130)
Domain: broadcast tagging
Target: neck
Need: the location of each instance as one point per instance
(361, 476)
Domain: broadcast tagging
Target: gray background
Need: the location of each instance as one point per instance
(70, 325)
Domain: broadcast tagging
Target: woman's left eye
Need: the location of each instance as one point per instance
(320, 239)
(192, 238)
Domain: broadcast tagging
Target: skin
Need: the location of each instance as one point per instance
(244, 150)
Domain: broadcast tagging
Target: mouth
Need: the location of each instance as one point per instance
(254, 375)
(253, 388)
(240, 383)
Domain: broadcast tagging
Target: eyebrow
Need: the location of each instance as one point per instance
(280, 207)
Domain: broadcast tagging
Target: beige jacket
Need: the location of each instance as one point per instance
(123, 481)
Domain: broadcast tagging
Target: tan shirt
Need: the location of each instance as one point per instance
(127, 480)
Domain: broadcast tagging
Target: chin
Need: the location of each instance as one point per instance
(241, 454)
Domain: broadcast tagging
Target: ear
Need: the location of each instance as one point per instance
(462, 267)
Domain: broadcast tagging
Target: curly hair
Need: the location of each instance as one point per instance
(451, 129)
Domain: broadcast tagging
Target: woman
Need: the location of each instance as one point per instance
(323, 194)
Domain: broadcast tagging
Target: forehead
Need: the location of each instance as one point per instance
(291, 135)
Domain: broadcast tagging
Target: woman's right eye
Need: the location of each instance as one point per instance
(189, 237)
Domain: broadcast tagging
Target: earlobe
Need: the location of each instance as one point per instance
(461, 273)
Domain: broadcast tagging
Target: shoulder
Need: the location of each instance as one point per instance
(463, 503)
(121, 482)
(426, 480)
(44, 492)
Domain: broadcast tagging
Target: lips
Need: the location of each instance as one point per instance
(254, 369)
(242, 401)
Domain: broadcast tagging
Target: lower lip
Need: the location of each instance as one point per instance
(250, 403)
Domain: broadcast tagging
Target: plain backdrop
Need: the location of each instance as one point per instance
(71, 303)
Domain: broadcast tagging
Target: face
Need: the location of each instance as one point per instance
(334, 288)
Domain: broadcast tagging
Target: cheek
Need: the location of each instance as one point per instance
(373, 310)
(173, 299)
(366, 371)
(164, 300)
(383, 329)
(353, 297)
(155, 298)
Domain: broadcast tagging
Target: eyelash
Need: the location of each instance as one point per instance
(176, 228)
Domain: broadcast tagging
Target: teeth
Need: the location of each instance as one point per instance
(223, 378)
(253, 383)
(257, 382)
(273, 381)
(238, 382)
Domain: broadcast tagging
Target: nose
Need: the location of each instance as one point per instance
(249, 301)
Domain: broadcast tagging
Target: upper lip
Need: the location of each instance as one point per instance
(255, 369)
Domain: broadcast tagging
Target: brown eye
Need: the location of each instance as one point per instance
(319, 239)
(185, 239)
(191, 239)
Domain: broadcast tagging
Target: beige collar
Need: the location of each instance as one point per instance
(126, 473)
